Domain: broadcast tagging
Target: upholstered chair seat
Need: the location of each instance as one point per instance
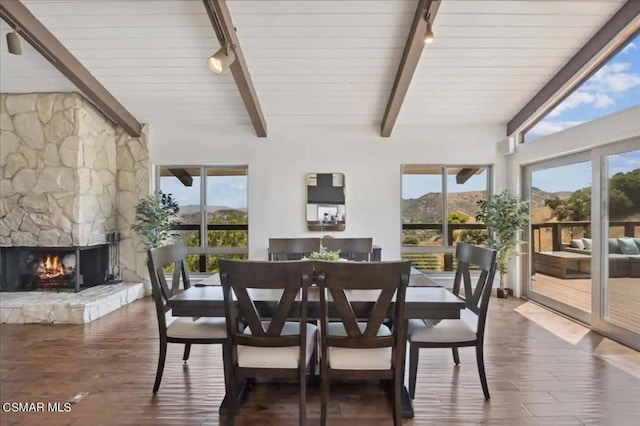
(201, 328)
(446, 331)
(279, 357)
(358, 359)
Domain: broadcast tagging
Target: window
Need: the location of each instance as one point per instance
(213, 211)
(614, 87)
(429, 195)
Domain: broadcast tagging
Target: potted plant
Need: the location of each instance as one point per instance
(505, 215)
(155, 215)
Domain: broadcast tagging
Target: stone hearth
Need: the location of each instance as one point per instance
(67, 308)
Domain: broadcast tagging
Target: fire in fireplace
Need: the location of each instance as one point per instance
(47, 268)
(53, 271)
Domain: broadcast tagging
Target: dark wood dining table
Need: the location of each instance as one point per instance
(431, 302)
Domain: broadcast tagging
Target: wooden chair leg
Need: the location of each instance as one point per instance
(397, 396)
(303, 395)
(313, 365)
(413, 369)
(483, 375)
(232, 398)
(324, 397)
(187, 351)
(456, 357)
(161, 359)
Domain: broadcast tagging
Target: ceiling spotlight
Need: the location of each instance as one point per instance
(13, 43)
(428, 35)
(221, 60)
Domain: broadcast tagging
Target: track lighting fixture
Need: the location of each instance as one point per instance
(13, 43)
(428, 35)
(222, 59)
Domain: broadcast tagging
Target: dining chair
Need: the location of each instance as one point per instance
(274, 347)
(350, 248)
(177, 330)
(292, 248)
(469, 329)
(368, 349)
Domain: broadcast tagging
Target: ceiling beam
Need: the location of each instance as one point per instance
(465, 174)
(409, 62)
(557, 87)
(226, 33)
(183, 176)
(36, 34)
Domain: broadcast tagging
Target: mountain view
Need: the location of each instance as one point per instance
(428, 208)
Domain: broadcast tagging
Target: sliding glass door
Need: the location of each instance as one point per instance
(617, 309)
(560, 240)
(584, 240)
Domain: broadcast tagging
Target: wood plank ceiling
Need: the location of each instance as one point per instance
(312, 62)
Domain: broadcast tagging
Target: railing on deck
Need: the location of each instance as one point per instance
(561, 233)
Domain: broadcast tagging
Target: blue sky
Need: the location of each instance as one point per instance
(616, 86)
(230, 191)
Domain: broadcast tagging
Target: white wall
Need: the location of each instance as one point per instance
(279, 164)
(602, 131)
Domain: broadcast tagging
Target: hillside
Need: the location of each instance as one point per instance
(427, 208)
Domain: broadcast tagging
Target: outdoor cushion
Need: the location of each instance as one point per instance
(637, 240)
(278, 357)
(628, 246)
(358, 359)
(202, 328)
(588, 244)
(614, 246)
(576, 244)
(448, 331)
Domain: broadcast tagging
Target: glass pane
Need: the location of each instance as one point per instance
(561, 239)
(611, 89)
(422, 205)
(227, 206)
(426, 262)
(622, 251)
(465, 188)
(185, 185)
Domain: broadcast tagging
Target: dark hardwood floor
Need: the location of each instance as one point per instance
(542, 370)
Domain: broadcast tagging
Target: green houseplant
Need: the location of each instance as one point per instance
(505, 215)
(155, 215)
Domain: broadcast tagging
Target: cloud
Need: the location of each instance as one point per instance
(598, 100)
(548, 127)
(629, 47)
(613, 78)
(602, 100)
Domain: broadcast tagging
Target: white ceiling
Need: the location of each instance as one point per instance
(312, 62)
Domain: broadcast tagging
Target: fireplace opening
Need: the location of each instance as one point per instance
(56, 268)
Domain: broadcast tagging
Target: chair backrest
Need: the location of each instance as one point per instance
(350, 248)
(158, 258)
(335, 279)
(241, 276)
(292, 248)
(477, 299)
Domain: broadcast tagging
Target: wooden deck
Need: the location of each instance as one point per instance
(542, 369)
(623, 294)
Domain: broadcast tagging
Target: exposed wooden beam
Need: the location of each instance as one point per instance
(410, 57)
(226, 33)
(465, 174)
(565, 82)
(37, 35)
(183, 176)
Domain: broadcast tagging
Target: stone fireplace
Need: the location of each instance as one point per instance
(70, 179)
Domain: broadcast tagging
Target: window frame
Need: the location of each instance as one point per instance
(204, 227)
(446, 248)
